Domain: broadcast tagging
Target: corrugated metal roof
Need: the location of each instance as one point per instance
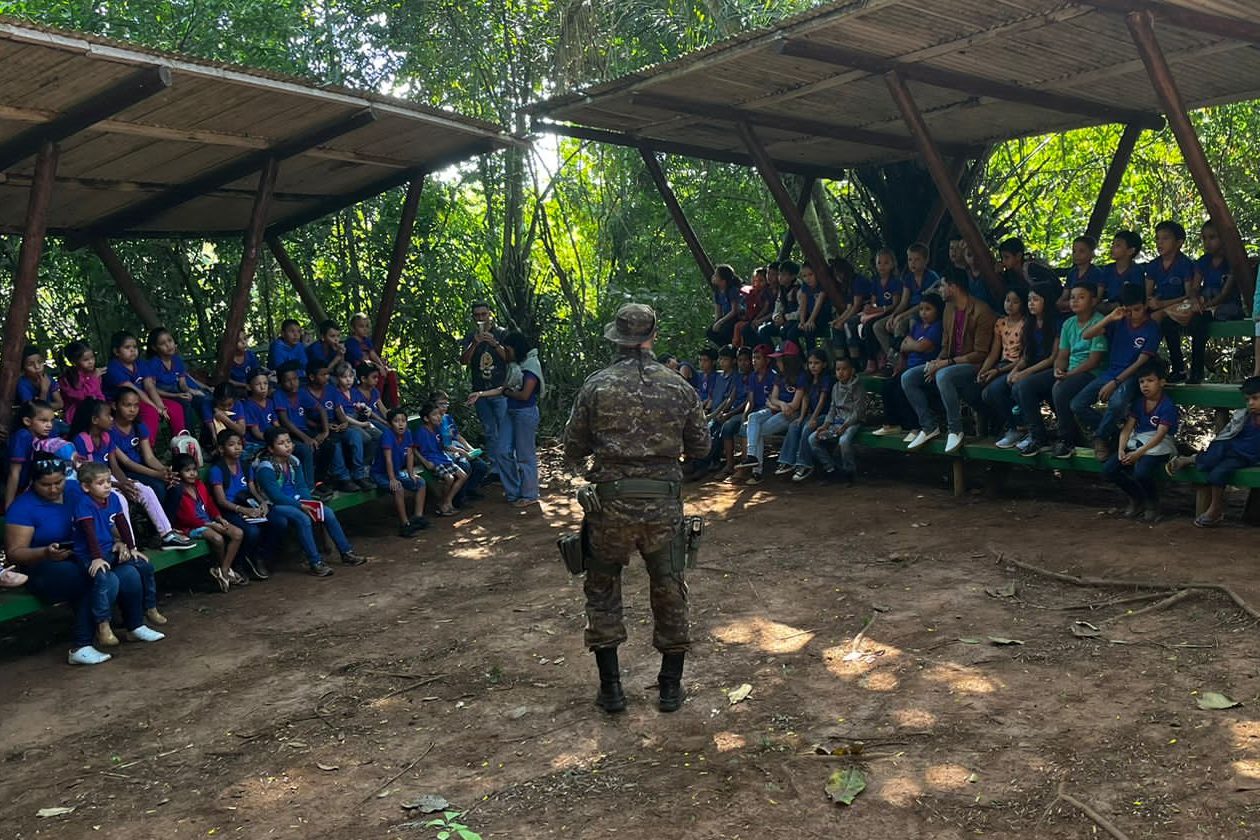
(1073, 50)
(211, 115)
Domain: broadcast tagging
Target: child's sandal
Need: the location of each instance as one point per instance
(1207, 522)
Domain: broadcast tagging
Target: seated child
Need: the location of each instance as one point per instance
(244, 360)
(278, 476)
(814, 307)
(460, 450)
(706, 376)
(329, 348)
(345, 467)
(1123, 271)
(185, 398)
(196, 513)
(367, 395)
(35, 383)
(394, 472)
(231, 487)
(1172, 290)
(1236, 447)
(918, 281)
(354, 412)
(229, 411)
(106, 549)
(794, 454)
(839, 427)
(1218, 296)
(730, 420)
(288, 347)
(293, 403)
(79, 380)
(32, 430)
(782, 407)
(258, 411)
(359, 349)
(1004, 355)
(1083, 270)
(855, 290)
(91, 438)
(1132, 341)
(888, 298)
(1032, 379)
(433, 457)
(1146, 444)
(131, 441)
(755, 303)
(125, 372)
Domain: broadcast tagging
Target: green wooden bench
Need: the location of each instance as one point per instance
(1233, 329)
(1211, 395)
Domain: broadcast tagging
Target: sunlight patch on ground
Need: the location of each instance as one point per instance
(843, 662)
(961, 680)
(880, 681)
(585, 751)
(727, 741)
(947, 776)
(1246, 735)
(900, 791)
(267, 791)
(472, 552)
(721, 504)
(769, 636)
(1246, 774)
(914, 718)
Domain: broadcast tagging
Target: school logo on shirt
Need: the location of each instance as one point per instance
(328, 405)
(1139, 342)
(301, 411)
(135, 442)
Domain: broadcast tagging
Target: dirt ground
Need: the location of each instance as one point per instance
(453, 665)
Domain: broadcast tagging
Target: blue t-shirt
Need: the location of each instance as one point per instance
(1164, 414)
(1214, 279)
(371, 400)
(1126, 343)
(239, 371)
(526, 378)
(357, 349)
(348, 402)
(762, 387)
(885, 294)
(787, 390)
(89, 450)
(1246, 444)
(235, 484)
(723, 387)
(52, 521)
(815, 393)
(101, 518)
(281, 353)
(726, 300)
(1113, 280)
(117, 375)
(28, 390)
(169, 377)
(1170, 282)
(933, 332)
(1093, 277)
(430, 447)
(21, 450)
(930, 279)
(129, 444)
(861, 288)
(261, 416)
(704, 385)
(295, 408)
(326, 400)
(393, 447)
(320, 352)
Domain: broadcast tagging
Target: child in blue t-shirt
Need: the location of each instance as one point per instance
(1146, 444)
(888, 298)
(182, 395)
(258, 411)
(35, 382)
(244, 360)
(1123, 271)
(34, 423)
(292, 403)
(394, 472)
(731, 419)
(434, 458)
(1218, 296)
(229, 411)
(1172, 290)
(922, 345)
(288, 346)
(464, 454)
(1236, 447)
(106, 549)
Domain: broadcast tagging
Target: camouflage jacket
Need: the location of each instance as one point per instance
(637, 422)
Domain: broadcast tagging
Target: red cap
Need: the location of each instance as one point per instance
(763, 349)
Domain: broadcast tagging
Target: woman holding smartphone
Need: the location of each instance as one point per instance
(38, 535)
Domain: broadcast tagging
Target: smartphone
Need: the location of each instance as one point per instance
(483, 327)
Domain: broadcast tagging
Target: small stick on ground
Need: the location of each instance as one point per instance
(412, 686)
(1114, 602)
(1102, 822)
(400, 773)
(1175, 598)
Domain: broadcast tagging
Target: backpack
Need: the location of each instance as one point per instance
(63, 450)
(185, 444)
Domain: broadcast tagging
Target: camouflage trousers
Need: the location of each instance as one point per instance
(613, 534)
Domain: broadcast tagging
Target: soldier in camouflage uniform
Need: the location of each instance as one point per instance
(637, 418)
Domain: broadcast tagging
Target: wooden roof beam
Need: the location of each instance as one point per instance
(1220, 26)
(785, 122)
(118, 97)
(969, 84)
(689, 150)
(144, 211)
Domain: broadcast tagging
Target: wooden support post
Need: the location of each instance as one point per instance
(397, 261)
(249, 264)
(947, 187)
(802, 204)
(936, 215)
(1111, 182)
(676, 213)
(1142, 28)
(26, 279)
(313, 307)
(960, 478)
(126, 283)
(796, 221)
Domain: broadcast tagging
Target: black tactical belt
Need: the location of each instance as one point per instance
(638, 488)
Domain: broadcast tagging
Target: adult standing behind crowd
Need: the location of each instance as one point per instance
(523, 386)
(38, 533)
(487, 361)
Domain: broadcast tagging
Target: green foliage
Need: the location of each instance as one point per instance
(448, 826)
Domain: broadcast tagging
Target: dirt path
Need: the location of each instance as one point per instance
(453, 665)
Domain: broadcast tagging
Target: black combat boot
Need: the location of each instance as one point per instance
(610, 698)
(670, 682)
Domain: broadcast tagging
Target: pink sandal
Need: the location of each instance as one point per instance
(11, 578)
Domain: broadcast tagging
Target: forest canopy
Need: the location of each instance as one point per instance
(558, 237)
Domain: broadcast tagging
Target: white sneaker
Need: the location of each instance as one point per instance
(953, 443)
(910, 436)
(784, 469)
(922, 438)
(803, 473)
(144, 633)
(887, 431)
(87, 655)
(1024, 442)
(1009, 440)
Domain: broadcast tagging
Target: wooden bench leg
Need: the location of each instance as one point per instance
(1202, 498)
(1251, 513)
(960, 478)
(995, 478)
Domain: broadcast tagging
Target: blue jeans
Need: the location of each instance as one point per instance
(817, 451)
(132, 585)
(1030, 392)
(253, 534)
(1105, 425)
(1062, 396)
(284, 517)
(493, 414)
(999, 399)
(349, 442)
(64, 581)
(1220, 461)
(1140, 482)
(762, 424)
(306, 455)
(795, 445)
(520, 481)
(954, 383)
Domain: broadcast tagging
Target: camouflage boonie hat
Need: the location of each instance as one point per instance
(635, 323)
